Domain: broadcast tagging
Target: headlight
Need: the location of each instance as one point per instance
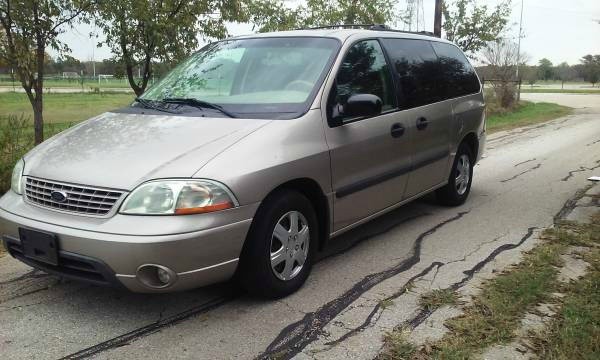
(178, 197)
(17, 175)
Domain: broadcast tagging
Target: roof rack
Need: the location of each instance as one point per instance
(375, 27)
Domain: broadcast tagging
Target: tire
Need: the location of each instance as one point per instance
(457, 190)
(256, 272)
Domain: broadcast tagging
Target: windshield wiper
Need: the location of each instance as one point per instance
(150, 104)
(198, 104)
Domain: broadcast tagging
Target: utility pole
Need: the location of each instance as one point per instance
(519, 52)
(437, 19)
(519, 41)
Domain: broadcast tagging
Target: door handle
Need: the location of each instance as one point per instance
(422, 123)
(397, 130)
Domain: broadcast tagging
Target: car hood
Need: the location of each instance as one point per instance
(123, 150)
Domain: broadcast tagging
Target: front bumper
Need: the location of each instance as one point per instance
(201, 249)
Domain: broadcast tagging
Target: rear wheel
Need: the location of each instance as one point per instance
(278, 254)
(459, 182)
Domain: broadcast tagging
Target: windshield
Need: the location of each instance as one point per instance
(261, 77)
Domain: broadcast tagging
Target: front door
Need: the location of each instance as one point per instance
(370, 157)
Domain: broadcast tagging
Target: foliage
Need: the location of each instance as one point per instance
(564, 73)
(269, 15)
(502, 57)
(545, 69)
(141, 32)
(591, 68)
(16, 138)
(29, 27)
(471, 26)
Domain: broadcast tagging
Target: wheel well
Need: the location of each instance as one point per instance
(472, 142)
(312, 190)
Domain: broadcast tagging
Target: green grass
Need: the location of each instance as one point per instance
(64, 108)
(575, 332)
(526, 113)
(496, 312)
(438, 298)
(525, 90)
(397, 347)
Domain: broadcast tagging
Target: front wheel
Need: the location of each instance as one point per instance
(278, 254)
(459, 182)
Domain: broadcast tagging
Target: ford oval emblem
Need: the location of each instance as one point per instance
(59, 196)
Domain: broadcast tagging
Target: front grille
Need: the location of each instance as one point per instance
(79, 199)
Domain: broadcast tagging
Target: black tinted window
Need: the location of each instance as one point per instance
(364, 70)
(415, 63)
(457, 75)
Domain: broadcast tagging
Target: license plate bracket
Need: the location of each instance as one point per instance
(39, 246)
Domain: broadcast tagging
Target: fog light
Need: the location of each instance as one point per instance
(156, 276)
(163, 276)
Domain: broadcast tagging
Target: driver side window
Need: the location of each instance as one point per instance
(364, 70)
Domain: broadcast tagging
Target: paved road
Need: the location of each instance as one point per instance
(524, 180)
(579, 101)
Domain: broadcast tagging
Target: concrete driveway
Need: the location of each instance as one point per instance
(357, 291)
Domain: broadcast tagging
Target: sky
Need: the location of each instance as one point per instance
(559, 30)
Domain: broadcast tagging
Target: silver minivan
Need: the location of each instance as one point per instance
(247, 158)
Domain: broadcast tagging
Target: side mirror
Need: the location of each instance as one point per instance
(362, 105)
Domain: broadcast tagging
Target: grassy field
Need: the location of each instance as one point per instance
(74, 83)
(526, 113)
(560, 91)
(64, 108)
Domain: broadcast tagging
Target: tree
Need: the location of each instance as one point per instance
(269, 15)
(564, 73)
(591, 68)
(141, 32)
(530, 74)
(545, 69)
(502, 57)
(30, 26)
(472, 26)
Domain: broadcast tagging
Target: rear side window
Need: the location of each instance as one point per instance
(458, 76)
(416, 66)
(364, 70)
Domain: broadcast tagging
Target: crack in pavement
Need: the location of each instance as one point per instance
(424, 313)
(581, 168)
(152, 328)
(522, 173)
(593, 142)
(376, 310)
(524, 162)
(32, 274)
(363, 238)
(567, 207)
(296, 336)
(570, 204)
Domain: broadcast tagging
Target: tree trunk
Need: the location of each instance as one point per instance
(129, 69)
(38, 87)
(38, 118)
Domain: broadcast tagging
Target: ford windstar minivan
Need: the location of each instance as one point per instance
(246, 158)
